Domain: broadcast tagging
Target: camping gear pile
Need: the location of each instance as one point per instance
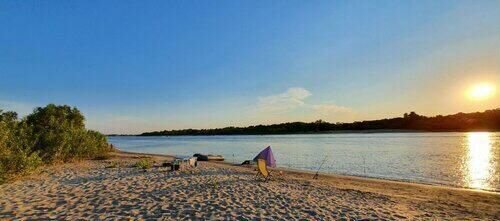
(180, 163)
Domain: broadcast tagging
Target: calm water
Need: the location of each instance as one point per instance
(458, 159)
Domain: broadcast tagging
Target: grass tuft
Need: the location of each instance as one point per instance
(144, 163)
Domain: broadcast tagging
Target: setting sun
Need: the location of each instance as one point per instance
(481, 91)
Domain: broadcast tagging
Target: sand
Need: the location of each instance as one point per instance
(113, 190)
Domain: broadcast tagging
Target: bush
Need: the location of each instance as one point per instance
(102, 156)
(3, 174)
(16, 154)
(113, 164)
(61, 134)
(144, 163)
(50, 134)
(21, 163)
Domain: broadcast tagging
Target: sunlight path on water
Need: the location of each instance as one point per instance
(479, 163)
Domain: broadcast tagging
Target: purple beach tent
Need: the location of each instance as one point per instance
(266, 154)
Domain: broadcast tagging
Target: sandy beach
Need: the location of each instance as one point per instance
(114, 190)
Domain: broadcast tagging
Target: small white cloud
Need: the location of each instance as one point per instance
(292, 105)
(290, 99)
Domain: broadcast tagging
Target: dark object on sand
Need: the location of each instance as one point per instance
(247, 162)
(175, 167)
(166, 164)
(201, 157)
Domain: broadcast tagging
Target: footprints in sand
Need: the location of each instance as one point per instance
(205, 193)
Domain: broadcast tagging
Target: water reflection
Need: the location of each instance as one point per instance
(479, 150)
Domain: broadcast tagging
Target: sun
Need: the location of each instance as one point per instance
(481, 91)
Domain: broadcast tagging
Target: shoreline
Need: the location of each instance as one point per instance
(384, 180)
(114, 189)
(337, 175)
(375, 131)
(403, 181)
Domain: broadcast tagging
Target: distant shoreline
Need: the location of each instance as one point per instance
(309, 133)
(488, 120)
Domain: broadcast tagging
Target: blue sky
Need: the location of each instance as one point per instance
(134, 66)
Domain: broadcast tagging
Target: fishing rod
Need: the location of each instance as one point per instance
(317, 172)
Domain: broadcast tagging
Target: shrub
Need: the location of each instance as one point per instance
(102, 156)
(61, 134)
(113, 164)
(144, 163)
(16, 154)
(2, 174)
(21, 163)
(50, 134)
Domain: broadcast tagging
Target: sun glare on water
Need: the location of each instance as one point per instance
(481, 91)
(479, 164)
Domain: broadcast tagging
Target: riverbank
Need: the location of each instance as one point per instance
(367, 131)
(114, 189)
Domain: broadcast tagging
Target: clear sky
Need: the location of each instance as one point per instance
(134, 66)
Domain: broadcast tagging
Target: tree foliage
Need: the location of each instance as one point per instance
(485, 121)
(50, 134)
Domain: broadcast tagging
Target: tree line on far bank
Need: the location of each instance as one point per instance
(50, 134)
(480, 121)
